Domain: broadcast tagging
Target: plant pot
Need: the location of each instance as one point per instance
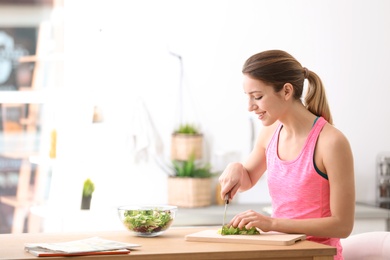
(86, 202)
(189, 192)
(185, 145)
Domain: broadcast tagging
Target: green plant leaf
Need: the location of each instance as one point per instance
(187, 129)
(191, 169)
(88, 188)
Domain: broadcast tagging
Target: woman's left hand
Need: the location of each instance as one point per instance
(250, 218)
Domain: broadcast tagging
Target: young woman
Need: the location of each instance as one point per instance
(308, 161)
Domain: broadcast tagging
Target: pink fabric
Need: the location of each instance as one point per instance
(297, 190)
(374, 245)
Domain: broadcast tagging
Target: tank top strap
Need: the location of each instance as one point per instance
(319, 123)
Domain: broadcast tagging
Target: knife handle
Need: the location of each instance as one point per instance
(227, 198)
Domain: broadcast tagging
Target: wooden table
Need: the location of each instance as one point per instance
(171, 245)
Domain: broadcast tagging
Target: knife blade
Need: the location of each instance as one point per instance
(226, 205)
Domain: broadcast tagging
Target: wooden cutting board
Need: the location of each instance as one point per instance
(266, 238)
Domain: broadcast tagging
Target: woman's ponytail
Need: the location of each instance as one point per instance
(315, 99)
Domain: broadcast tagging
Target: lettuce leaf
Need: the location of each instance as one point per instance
(230, 230)
(147, 221)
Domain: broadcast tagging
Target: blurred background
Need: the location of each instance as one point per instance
(95, 88)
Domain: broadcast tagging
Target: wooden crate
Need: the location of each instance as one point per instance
(184, 145)
(189, 192)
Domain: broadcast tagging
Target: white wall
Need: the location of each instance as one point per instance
(117, 52)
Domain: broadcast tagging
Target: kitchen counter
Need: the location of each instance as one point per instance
(367, 218)
(171, 245)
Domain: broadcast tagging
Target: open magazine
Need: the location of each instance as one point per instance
(89, 246)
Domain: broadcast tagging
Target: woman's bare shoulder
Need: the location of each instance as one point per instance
(334, 153)
(332, 138)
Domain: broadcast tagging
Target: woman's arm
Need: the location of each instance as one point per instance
(238, 177)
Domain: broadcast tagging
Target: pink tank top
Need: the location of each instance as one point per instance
(298, 190)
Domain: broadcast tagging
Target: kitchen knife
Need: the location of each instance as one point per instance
(224, 213)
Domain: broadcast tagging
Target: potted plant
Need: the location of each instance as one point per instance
(88, 189)
(191, 184)
(186, 141)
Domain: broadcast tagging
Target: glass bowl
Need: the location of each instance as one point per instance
(148, 220)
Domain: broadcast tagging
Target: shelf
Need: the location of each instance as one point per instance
(50, 57)
(17, 202)
(34, 96)
(24, 97)
(383, 199)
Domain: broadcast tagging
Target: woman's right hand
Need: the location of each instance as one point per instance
(230, 179)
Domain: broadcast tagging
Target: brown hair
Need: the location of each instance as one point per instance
(276, 67)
